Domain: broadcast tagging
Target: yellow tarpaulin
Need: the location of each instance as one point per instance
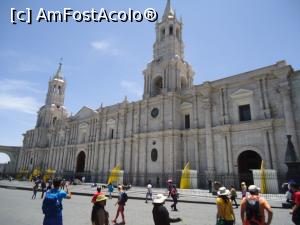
(48, 174)
(36, 172)
(114, 175)
(185, 181)
(263, 186)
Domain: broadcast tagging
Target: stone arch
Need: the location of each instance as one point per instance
(157, 85)
(80, 162)
(246, 161)
(13, 153)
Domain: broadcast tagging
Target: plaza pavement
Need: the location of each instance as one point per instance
(17, 208)
(187, 195)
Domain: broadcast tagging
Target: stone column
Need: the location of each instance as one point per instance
(285, 92)
(209, 137)
(266, 149)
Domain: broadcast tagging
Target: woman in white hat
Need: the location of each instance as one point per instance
(99, 214)
(160, 212)
(225, 215)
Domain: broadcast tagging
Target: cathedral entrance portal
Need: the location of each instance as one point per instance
(80, 162)
(247, 161)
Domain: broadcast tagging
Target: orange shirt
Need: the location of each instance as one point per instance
(263, 205)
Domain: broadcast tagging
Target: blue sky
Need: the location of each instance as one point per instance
(103, 62)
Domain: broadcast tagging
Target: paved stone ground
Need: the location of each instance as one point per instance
(17, 208)
(192, 195)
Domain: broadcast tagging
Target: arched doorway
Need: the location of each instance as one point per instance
(247, 161)
(80, 162)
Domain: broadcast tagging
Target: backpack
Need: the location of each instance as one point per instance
(252, 212)
(51, 204)
(124, 197)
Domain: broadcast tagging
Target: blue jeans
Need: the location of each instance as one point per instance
(53, 220)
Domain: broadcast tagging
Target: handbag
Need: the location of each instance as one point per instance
(220, 221)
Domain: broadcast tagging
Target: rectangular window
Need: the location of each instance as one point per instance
(112, 134)
(245, 113)
(187, 121)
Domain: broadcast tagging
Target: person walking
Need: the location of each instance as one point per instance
(295, 211)
(110, 188)
(233, 196)
(225, 214)
(121, 205)
(35, 189)
(160, 212)
(96, 194)
(174, 196)
(253, 208)
(149, 191)
(99, 214)
(52, 204)
(244, 189)
(43, 187)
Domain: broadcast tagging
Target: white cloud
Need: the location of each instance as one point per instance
(17, 95)
(132, 87)
(105, 47)
(23, 104)
(7, 85)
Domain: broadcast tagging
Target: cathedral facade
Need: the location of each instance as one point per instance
(222, 127)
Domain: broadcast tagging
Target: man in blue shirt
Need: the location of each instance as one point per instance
(52, 204)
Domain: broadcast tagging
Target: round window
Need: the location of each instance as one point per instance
(154, 112)
(154, 155)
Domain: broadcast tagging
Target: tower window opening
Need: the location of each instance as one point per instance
(162, 34)
(59, 90)
(187, 124)
(54, 120)
(177, 33)
(112, 134)
(171, 30)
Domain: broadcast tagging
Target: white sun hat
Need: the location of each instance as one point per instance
(160, 198)
(223, 191)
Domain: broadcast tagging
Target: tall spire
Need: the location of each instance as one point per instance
(59, 72)
(169, 12)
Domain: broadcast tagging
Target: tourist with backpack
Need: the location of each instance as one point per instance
(174, 196)
(52, 204)
(121, 204)
(225, 215)
(295, 211)
(253, 208)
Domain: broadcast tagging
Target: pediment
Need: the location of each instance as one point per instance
(241, 93)
(85, 113)
(186, 105)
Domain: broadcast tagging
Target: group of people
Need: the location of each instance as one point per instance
(253, 206)
(254, 209)
(99, 215)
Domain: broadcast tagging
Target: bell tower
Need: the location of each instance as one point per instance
(53, 111)
(168, 72)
